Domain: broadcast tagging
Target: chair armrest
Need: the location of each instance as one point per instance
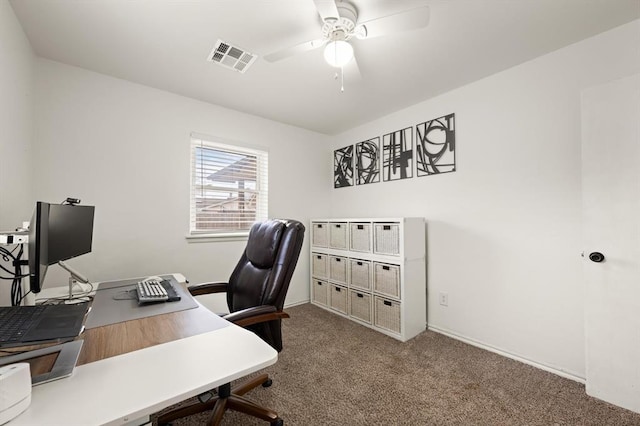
(207, 288)
(255, 315)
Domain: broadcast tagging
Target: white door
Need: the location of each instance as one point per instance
(611, 222)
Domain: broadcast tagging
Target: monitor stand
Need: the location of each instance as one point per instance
(75, 277)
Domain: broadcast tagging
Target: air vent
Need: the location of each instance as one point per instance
(231, 57)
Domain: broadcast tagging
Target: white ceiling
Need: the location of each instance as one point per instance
(165, 44)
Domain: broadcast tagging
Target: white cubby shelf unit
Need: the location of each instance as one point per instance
(372, 271)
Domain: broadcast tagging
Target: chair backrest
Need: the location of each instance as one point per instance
(263, 274)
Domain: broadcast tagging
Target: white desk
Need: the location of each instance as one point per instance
(128, 388)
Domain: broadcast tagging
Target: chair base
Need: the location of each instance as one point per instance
(228, 398)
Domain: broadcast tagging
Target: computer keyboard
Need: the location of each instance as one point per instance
(41, 323)
(153, 291)
(16, 322)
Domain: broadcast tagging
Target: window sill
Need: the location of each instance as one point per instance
(222, 237)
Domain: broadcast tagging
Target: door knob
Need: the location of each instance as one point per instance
(596, 256)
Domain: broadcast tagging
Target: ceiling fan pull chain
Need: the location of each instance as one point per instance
(342, 79)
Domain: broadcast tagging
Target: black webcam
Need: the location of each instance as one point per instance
(72, 201)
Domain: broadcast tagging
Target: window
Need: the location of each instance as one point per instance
(228, 188)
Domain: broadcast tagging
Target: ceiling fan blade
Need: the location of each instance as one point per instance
(408, 20)
(327, 9)
(294, 50)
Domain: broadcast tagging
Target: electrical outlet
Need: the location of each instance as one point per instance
(444, 299)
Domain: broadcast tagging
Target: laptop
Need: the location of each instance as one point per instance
(30, 325)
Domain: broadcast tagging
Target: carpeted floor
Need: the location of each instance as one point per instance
(335, 372)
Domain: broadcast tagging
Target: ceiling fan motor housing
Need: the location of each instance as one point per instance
(341, 28)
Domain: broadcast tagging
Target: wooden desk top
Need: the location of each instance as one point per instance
(128, 336)
(120, 338)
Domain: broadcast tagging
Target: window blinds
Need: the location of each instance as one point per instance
(229, 187)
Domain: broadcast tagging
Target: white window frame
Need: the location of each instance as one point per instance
(197, 188)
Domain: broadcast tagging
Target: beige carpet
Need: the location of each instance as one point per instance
(335, 372)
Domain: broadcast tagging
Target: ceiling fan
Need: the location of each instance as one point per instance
(340, 26)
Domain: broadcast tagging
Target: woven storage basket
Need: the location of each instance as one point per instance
(320, 234)
(338, 298)
(319, 267)
(338, 269)
(387, 314)
(386, 238)
(360, 306)
(360, 237)
(338, 235)
(321, 292)
(386, 279)
(360, 273)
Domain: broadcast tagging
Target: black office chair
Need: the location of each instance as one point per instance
(255, 295)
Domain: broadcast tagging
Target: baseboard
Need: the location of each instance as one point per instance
(501, 352)
(292, 304)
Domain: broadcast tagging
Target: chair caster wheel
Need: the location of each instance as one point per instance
(266, 384)
(277, 422)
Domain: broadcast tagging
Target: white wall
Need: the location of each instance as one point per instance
(504, 230)
(124, 148)
(16, 116)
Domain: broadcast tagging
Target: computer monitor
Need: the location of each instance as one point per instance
(57, 232)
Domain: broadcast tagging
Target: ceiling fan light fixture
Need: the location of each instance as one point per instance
(338, 53)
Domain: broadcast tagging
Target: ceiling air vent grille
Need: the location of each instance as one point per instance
(231, 57)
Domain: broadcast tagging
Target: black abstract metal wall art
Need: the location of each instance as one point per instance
(397, 155)
(368, 161)
(343, 167)
(435, 146)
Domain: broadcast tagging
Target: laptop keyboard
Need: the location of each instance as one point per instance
(16, 321)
